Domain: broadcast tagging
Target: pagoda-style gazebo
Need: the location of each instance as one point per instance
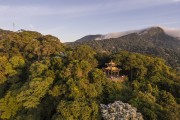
(111, 70)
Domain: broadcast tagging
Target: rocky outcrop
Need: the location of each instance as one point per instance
(120, 111)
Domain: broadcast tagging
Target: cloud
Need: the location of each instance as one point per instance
(4, 8)
(77, 9)
(31, 26)
(176, 0)
(162, 24)
(171, 31)
(169, 23)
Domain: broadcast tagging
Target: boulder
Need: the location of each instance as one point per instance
(120, 111)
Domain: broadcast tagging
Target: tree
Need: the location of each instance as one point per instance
(9, 106)
(35, 91)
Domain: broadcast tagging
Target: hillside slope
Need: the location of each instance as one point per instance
(153, 41)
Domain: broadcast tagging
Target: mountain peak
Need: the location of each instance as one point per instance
(156, 29)
(88, 37)
(151, 31)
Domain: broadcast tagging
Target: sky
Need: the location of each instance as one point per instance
(70, 20)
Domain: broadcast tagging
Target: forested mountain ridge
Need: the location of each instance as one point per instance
(88, 37)
(169, 31)
(153, 41)
(43, 79)
(30, 44)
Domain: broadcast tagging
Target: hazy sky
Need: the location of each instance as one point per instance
(72, 19)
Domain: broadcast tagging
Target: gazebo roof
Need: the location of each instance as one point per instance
(112, 68)
(111, 63)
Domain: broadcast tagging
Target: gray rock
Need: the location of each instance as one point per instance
(120, 111)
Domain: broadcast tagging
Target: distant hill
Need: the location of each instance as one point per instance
(88, 37)
(169, 31)
(152, 41)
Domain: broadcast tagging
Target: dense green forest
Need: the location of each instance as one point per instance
(43, 79)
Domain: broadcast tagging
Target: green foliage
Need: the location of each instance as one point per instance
(140, 66)
(77, 110)
(58, 90)
(40, 78)
(37, 69)
(85, 53)
(8, 106)
(17, 62)
(34, 92)
(153, 84)
(10, 69)
(166, 98)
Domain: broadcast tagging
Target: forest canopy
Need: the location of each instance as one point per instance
(41, 78)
